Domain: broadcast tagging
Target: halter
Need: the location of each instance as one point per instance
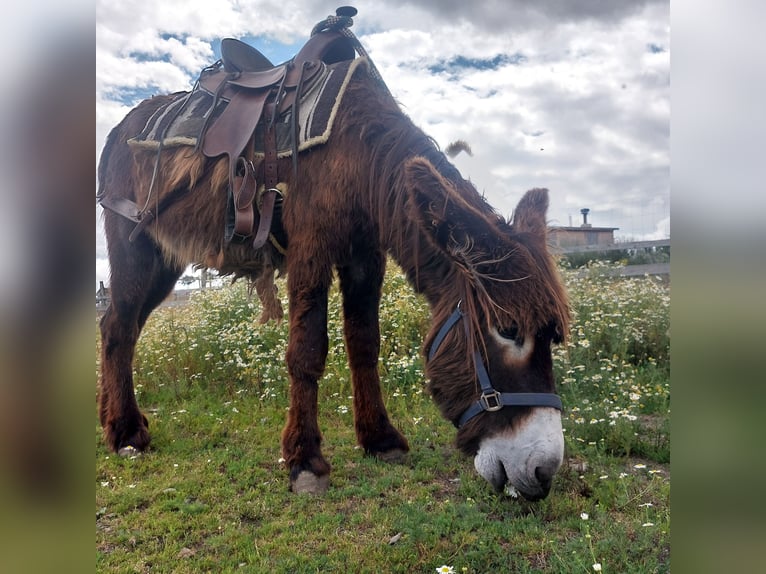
(490, 399)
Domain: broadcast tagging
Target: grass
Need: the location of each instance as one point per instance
(211, 496)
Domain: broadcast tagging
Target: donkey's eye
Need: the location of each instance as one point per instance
(553, 332)
(512, 334)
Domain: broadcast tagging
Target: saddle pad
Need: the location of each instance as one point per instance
(180, 122)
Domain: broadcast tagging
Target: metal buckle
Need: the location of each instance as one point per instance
(491, 401)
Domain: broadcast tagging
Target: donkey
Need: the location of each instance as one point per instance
(379, 186)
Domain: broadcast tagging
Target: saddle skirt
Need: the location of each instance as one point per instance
(181, 121)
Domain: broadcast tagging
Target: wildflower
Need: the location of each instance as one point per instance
(584, 516)
(639, 466)
(648, 524)
(444, 569)
(597, 567)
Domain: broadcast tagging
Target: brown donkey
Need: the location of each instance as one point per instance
(378, 186)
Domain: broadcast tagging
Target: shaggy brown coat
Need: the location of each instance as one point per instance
(379, 186)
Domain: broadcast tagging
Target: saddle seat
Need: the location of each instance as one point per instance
(257, 91)
(247, 79)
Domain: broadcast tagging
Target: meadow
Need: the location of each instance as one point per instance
(212, 494)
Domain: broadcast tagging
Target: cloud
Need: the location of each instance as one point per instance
(497, 16)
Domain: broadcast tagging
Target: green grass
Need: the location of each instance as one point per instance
(212, 493)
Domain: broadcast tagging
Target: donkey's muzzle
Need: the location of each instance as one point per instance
(525, 458)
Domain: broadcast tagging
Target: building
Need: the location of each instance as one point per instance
(583, 236)
(102, 296)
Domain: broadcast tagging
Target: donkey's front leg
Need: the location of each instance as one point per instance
(361, 288)
(306, 355)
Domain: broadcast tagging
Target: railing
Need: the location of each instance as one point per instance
(613, 246)
(638, 270)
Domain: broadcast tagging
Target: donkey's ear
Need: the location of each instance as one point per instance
(529, 215)
(448, 218)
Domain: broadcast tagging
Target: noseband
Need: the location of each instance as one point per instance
(490, 399)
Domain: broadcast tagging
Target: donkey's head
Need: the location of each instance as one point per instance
(498, 306)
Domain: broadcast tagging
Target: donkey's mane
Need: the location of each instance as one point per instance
(464, 274)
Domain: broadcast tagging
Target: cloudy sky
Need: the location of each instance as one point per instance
(569, 95)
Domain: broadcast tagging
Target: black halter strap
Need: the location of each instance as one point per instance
(490, 399)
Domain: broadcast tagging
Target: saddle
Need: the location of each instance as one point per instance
(259, 92)
(247, 92)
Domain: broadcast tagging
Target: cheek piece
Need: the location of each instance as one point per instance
(490, 400)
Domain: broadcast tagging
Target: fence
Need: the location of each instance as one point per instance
(662, 269)
(181, 296)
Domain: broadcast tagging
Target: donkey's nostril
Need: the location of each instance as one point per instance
(544, 475)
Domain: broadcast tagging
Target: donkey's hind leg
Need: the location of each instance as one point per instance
(140, 281)
(361, 285)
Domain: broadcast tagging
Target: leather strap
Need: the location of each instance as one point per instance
(129, 210)
(271, 178)
(146, 219)
(490, 400)
(244, 194)
(122, 206)
(486, 403)
(267, 215)
(457, 314)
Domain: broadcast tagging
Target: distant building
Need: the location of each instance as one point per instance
(102, 296)
(582, 236)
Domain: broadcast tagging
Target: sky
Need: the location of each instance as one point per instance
(569, 95)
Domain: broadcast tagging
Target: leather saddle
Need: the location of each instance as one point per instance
(257, 91)
(254, 91)
(247, 80)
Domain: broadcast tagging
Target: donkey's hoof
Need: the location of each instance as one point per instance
(310, 483)
(129, 452)
(395, 455)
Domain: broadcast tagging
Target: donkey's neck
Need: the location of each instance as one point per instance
(430, 270)
(426, 268)
(389, 140)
